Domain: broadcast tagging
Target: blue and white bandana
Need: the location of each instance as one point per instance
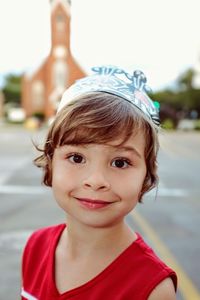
(108, 79)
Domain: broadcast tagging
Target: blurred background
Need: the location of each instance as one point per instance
(46, 46)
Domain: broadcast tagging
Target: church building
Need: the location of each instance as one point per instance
(43, 88)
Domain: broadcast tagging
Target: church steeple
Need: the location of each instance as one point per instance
(66, 1)
(60, 23)
(42, 91)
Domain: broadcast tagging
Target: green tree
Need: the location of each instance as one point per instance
(188, 95)
(185, 80)
(12, 89)
(179, 102)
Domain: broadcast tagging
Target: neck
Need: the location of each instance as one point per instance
(83, 240)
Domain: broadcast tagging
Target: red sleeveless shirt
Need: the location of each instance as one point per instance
(132, 275)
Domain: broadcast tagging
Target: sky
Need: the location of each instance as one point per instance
(159, 37)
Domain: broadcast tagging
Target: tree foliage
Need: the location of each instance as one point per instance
(179, 102)
(12, 89)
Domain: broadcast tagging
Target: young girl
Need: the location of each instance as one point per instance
(100, 159)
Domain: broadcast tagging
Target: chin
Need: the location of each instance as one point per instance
(101, 222)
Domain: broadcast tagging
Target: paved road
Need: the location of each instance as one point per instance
(168, 220)
(174, 213)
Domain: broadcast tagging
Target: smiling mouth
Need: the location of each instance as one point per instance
(93, 204)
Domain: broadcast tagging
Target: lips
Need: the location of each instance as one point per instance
(93, 204)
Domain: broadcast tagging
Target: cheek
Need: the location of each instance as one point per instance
(132, 187)
(63, 179)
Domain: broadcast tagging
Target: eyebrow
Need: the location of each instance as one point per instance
(129, 149)
(120, 148)
(132, 149)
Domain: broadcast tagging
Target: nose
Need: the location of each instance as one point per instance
(96, 180)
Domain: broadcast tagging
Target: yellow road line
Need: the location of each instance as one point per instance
(185, 285)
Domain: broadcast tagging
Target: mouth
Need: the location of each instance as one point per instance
(93, 204)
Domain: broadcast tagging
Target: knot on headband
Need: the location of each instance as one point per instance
(116, 81)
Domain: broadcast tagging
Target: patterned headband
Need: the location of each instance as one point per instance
(108, 79)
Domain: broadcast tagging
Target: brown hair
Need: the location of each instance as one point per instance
(97, 118)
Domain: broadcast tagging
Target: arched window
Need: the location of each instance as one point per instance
(38, 95)
(60, 23)
(60, 74)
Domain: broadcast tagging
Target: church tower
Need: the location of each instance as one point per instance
(42, 90)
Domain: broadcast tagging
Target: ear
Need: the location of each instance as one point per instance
(148, 184)
(140, 197)
(48, 172)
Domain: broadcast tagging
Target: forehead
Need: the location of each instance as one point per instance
(135, 143)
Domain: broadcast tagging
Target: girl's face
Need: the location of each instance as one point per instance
(99, 184)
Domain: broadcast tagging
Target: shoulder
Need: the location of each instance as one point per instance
(160, 274)
(41, 238)
(164, 290)
(147, 255)
(44, 233)
(39, 245)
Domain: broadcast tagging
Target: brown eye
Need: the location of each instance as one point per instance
(120, 163)
(76, 158)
